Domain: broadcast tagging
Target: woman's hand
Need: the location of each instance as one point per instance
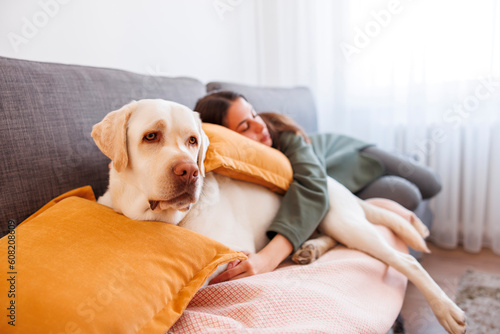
(257, 263)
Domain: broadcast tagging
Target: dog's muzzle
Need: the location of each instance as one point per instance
(181, 203)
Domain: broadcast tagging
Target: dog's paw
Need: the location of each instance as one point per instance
(456, 323)
(306, 254)
(451, 317)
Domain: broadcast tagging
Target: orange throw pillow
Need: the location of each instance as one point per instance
(239, 157)
(79, 267)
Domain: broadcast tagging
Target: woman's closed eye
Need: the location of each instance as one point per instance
(244, 127)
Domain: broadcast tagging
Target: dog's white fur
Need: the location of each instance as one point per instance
(147, 183)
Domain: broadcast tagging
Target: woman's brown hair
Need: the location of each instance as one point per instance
(213, 109)
(278, 123)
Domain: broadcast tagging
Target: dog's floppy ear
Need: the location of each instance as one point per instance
(204, 142)
(110, 135)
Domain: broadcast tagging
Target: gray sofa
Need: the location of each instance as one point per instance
(48, 111)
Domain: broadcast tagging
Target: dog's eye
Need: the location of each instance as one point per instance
(151, 136)
(193, 140)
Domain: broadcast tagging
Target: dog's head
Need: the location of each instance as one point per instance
(158, 147)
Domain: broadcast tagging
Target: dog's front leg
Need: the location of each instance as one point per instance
(312, 249)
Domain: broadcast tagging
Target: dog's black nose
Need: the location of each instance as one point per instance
(187, 171)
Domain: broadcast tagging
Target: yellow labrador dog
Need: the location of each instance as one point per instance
(157, 150)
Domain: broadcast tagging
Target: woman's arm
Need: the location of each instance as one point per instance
(306, 201)
(302, 208)
(264, 261)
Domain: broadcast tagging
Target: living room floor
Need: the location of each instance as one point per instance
(446, 267)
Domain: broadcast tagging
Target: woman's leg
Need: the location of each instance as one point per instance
(394, 188)
(423, 177)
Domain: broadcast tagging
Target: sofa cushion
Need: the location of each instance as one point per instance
(296, 102)
(48, 111)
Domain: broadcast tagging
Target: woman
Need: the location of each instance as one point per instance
(354, 163)
(304, 204)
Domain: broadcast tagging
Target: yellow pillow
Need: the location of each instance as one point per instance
(80, 267)
(238, 157)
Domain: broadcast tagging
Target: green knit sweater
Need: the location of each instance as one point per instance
(342, 157)
(306, 201)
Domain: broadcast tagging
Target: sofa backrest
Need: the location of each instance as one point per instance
(296, 102)
(47, 112)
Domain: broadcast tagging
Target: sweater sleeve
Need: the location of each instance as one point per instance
(306, 201)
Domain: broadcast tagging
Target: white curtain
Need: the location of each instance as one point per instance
(418, 77)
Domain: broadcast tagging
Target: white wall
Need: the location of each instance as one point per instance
(205, 39)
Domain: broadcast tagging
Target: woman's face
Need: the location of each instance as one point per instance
(242, 118)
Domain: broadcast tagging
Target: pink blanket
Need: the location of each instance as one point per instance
(345, 291)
